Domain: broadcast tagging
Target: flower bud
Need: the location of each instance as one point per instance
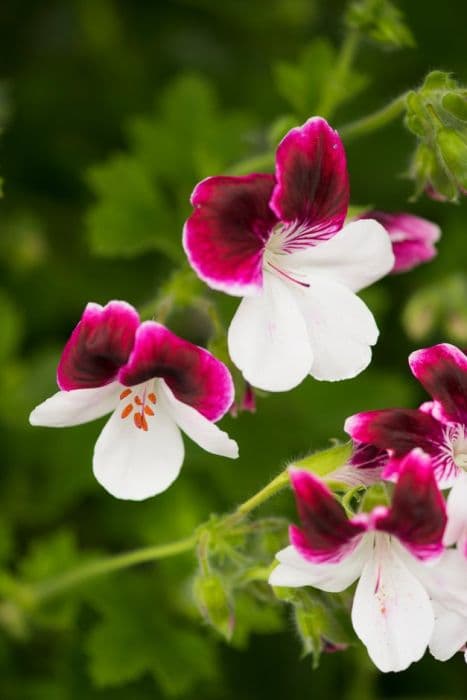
(453, 149)
(213, 603)
(412, 237)
(437, 115)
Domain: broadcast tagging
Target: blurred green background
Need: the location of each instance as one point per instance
(112, 111)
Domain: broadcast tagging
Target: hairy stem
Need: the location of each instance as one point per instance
(374, 121)
(56, 586)
(320, 463)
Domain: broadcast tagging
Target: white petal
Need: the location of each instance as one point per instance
(456, 529)
(449, 634)
(357, 256)
(204, 432)
(268, 340)
(67, 408)
(391, 612)
(293, 571)
(133, 464)
(341, 329)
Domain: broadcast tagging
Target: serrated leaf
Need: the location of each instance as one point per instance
(143, 195)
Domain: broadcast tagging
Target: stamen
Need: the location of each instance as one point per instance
(138, 420)
(138, 401)
(124, 394)
(126, 411)
(152, 397)
(148, 410)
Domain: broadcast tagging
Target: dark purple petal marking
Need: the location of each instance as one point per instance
(417, 516)
(327, 535)
(194, 375)
(398, 430)
(411, 236)
(366, 456)
(224, 238)
(99, 345)
(442, 370)
(312, 191)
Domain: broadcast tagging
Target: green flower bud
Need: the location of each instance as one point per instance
(456, 104)
(453, 149)
(213, 603)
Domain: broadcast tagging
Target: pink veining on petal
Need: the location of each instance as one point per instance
(194, 375)
(99, 345)
(326, 535)
(442, 370)
(417, 515)
(224, 237)
(412, 237)
(311, 195)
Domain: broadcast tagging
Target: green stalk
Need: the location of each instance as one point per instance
(374, 121)
(330, 97)
(320, 463)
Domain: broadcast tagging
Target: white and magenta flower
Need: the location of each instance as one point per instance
(439, 427)
(412, 237)
(156, 385)
(392, 613)
(279, 242)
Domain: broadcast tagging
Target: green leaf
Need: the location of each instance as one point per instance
(381, 21)
(131, 215)
(303, 82)
(135, 637)
(142, 196)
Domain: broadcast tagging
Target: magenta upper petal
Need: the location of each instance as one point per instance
(417, 516)
(99, 345)
(327, 534)
(442, 370)
(194, 375)
(411, 236)
(312, 185)
(224, 238)
(398, 430)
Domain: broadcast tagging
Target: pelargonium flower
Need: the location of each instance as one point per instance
(156, 385)
(439, 427)
(279, 241)
(391, 613)
(412, 237)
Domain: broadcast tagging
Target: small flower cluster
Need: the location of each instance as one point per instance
(411, 590)
(281, 242)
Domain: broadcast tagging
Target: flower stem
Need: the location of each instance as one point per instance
(336, 86)
(319, 463)
(56, 586)
(374, 121)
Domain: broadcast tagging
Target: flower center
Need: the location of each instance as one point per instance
(140, 405)
(459, 448)
(277, 248)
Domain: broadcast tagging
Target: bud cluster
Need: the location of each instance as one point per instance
(437, 115)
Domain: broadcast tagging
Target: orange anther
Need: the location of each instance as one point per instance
(144, 423)
(148, 411)
(124, 394)
(138, 401)
(152, 397)
(127, 410)
(138, 420)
